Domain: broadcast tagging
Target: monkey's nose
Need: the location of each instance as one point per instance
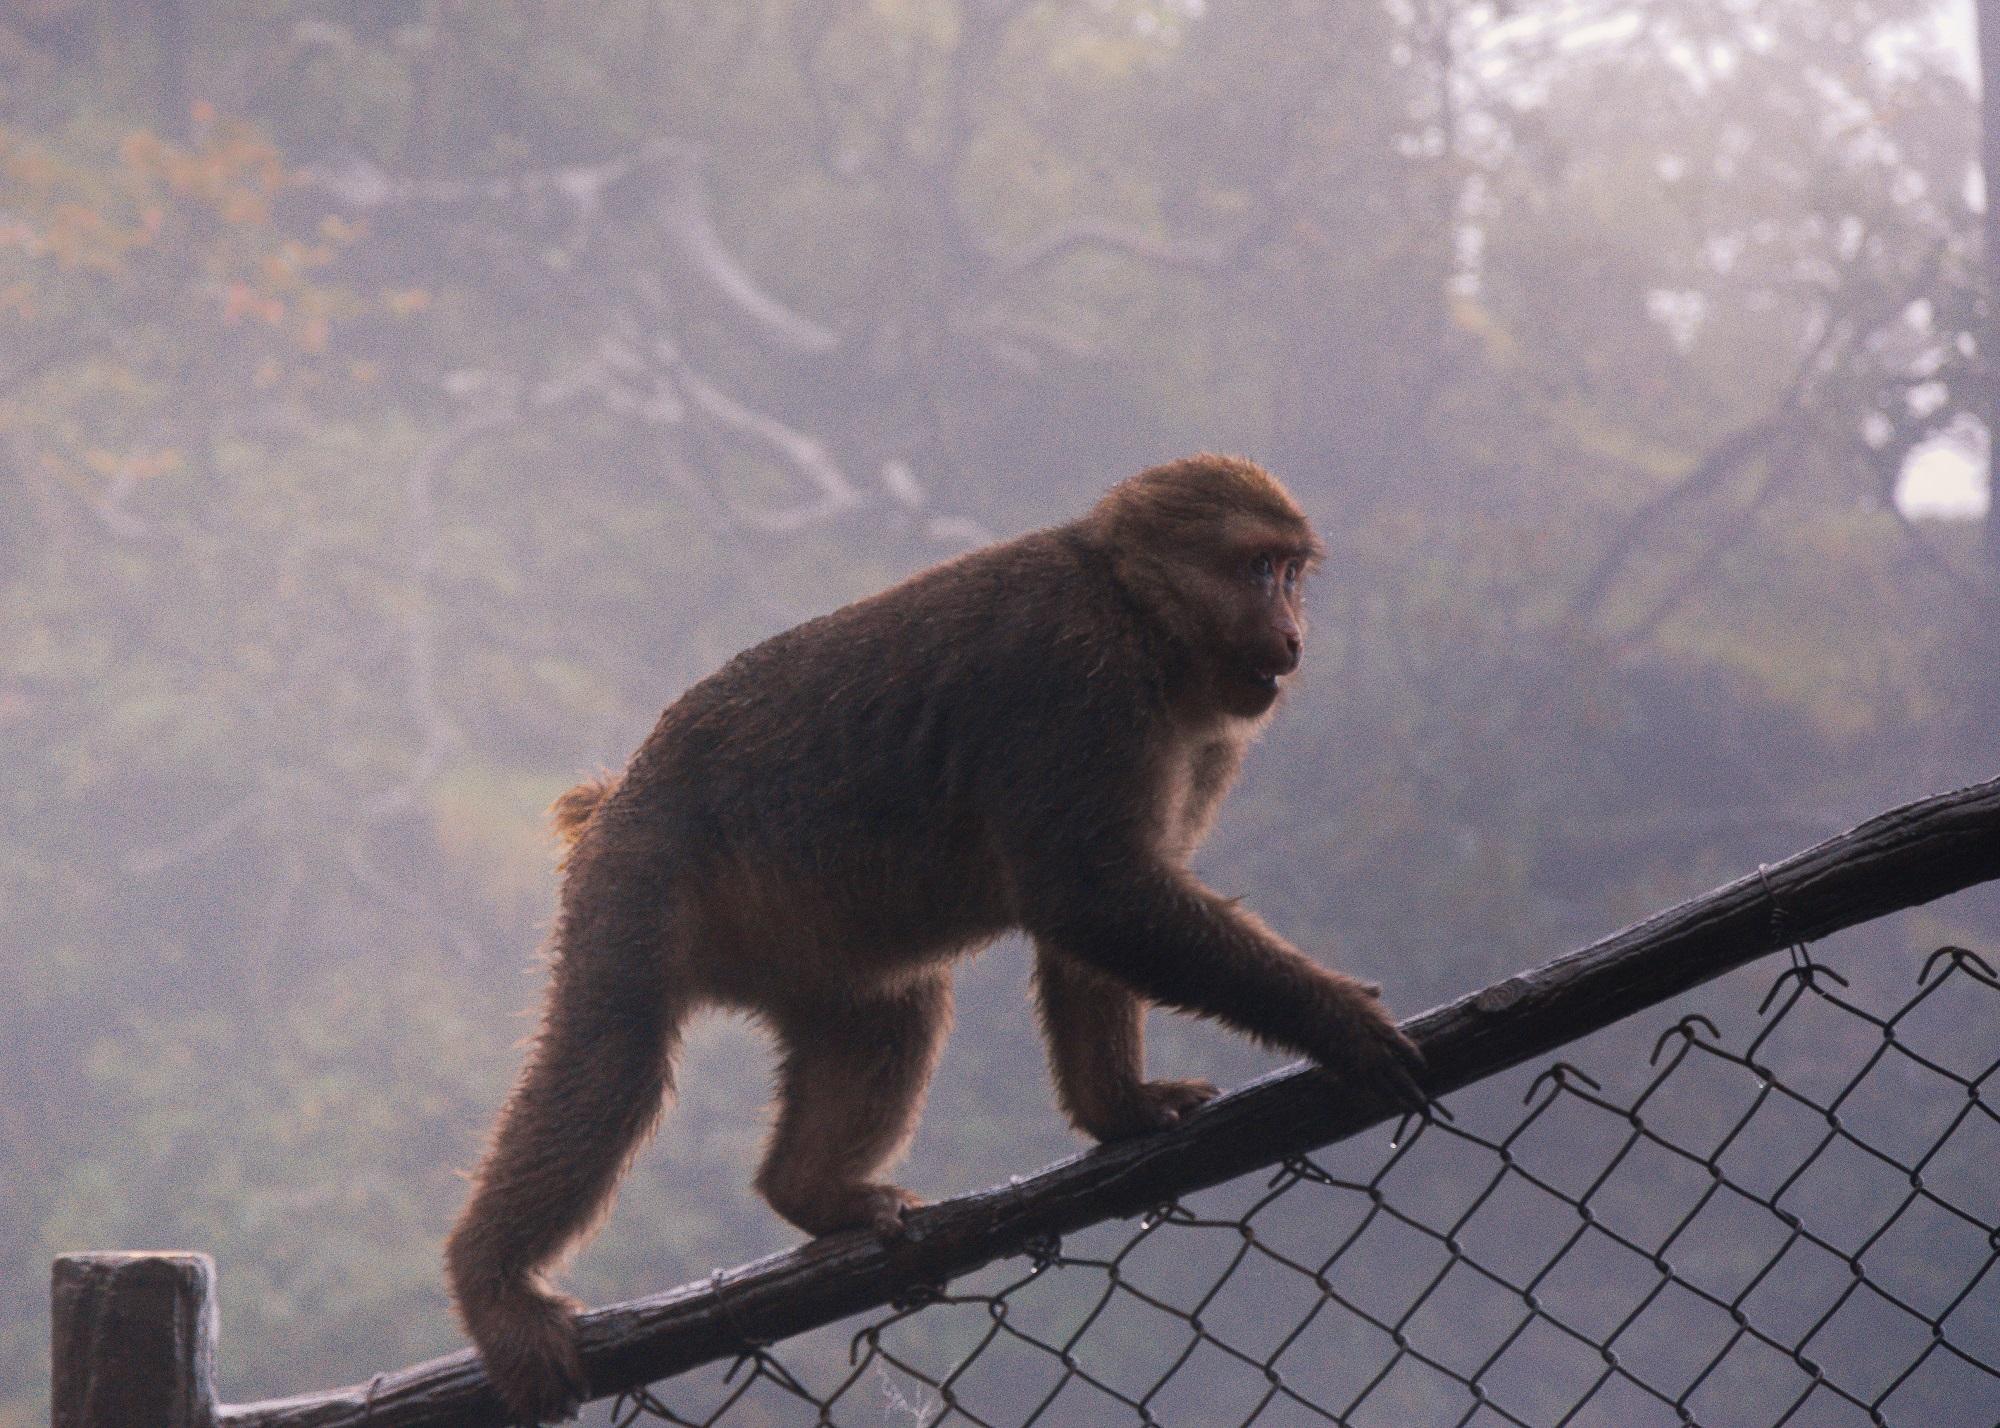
(1293, 648)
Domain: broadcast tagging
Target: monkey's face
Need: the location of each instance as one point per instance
(1262, 592)
(1219, 552)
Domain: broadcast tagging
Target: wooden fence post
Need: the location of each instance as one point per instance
(133, 1341)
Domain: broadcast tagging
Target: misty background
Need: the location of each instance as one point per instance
(402, 400)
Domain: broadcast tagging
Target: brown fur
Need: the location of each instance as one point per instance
(1034, 736)
(572, 811)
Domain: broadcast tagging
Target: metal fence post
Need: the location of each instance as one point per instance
(132, 1341)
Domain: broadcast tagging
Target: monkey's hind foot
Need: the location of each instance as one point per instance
(880, 1209)
(1152, 1106)
(829, 1209)
(1167, 1103)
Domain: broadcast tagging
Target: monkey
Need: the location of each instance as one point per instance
(1032, 737)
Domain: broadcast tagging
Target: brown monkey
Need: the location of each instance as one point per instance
(1033, 736)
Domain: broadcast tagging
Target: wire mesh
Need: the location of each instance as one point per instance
(1800, 1229)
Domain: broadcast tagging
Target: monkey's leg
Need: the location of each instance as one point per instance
(1095, 1028)
(850, 1090)
(593, 1085)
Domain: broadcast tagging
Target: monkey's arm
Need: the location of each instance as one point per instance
(1095, 1029)
(1154, 928)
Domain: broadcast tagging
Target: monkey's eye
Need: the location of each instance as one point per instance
(1292, 572)
(1263, 570)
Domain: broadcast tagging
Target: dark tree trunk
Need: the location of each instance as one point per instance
(1983, 646)
(1988, 21)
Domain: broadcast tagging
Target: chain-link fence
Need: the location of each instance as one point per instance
(1796, 1225)
(1782, 1208)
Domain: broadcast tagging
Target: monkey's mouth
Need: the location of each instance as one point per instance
(1263, 670)
(1266, 668)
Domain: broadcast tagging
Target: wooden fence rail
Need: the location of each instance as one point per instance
(134, 1336)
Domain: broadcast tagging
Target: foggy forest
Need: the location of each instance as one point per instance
(401, 401)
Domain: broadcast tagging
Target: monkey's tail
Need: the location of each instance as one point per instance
(571, 813)
(595, 1080)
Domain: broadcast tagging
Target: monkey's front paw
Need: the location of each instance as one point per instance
(1386, 1061)
(1152, 1106)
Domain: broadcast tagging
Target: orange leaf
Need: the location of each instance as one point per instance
(238, 299)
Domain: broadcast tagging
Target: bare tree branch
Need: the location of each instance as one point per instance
(359, 183)
(683, 212)
(1733, 535)
(157, 857)
(1078, 235)
(681, 208)
(804, 454)
(1723, 460)
(1837, 337)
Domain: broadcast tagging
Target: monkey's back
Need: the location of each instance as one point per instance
(813, 762)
